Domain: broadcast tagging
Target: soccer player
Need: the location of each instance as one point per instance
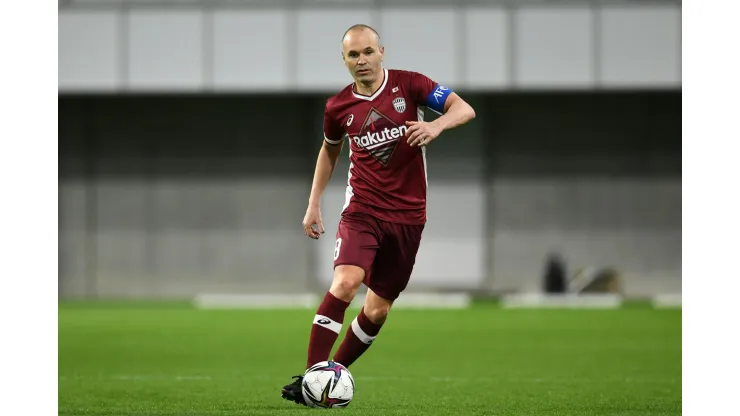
(381, 115)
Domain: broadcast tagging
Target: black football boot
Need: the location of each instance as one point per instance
(294, 391)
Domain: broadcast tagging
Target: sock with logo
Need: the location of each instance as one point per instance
(358, 339)
(325, 329)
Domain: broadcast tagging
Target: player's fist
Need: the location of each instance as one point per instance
(420, 133)
(313, 218)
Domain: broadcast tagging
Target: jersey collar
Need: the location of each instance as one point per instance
(375, 95)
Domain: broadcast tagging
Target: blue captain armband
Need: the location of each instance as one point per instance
(436, 99)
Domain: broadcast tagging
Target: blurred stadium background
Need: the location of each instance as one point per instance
(189, 132)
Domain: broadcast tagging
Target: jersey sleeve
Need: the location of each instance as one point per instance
(429, 93)
(333, 133)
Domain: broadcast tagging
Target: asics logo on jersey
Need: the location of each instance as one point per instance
(371, 140)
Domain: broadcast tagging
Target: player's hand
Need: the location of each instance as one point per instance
(313, 218)
(421, 133)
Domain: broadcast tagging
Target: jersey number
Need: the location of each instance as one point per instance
(337, 247)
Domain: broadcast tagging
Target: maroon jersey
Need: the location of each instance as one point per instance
(387, 177)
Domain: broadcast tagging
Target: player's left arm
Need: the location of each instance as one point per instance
(455, 112)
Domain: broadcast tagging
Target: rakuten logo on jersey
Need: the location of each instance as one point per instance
(371, 140)
(379, 136)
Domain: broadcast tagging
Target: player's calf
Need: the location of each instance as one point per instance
(365, 327)
(327, 323)
(377, 313)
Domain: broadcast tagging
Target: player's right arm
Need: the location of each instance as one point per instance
(325, 164)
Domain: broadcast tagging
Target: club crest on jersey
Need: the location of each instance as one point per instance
(399, 104)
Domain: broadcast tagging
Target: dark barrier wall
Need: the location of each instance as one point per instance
(146, 180)
(621, 134)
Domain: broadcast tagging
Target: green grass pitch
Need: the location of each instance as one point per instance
(164, 359)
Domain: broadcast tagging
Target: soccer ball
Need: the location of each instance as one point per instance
(328, 384)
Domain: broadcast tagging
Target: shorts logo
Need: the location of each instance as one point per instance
(399, 104)
(349, 120)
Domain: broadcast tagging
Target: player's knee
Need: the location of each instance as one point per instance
(344, 289)
(346, 282)
(377, 313)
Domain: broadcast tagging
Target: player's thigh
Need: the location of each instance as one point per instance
(395, 259)
(356, 244)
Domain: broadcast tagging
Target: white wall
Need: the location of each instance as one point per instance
(242, 48)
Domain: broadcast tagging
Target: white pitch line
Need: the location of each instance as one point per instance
(520, 380)
(143, 377)
(193, 378)
(436, 379)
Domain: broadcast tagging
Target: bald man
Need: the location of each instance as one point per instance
(381, 116)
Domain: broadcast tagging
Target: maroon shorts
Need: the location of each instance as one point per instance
(386, 251)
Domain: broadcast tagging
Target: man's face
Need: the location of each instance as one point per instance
(362, 55)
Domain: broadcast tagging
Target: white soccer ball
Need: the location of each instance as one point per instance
(328, 384)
